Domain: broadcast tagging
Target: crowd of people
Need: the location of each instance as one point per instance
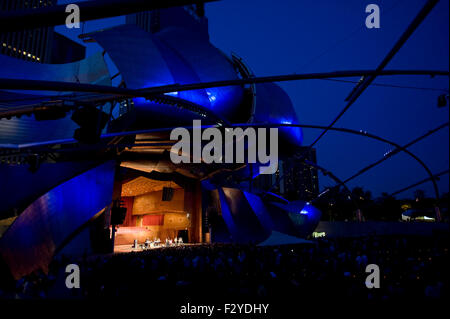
(410, 267)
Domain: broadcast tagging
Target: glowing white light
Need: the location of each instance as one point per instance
(211, 97)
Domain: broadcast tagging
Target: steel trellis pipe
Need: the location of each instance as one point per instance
(360, 87)
(344, 130)
(396, 151)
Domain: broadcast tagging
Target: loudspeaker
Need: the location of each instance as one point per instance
(118, 213)
(167, 194)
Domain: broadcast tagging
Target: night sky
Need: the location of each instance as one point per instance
(290, 36)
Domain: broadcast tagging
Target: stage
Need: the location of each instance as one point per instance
(118, 249)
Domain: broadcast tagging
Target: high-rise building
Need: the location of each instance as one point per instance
(190, 17)
(294, 180)
(42, 45)
(33, 44)
(300, 181)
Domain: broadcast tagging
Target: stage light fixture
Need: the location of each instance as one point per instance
(52, 111)
(442, 100)
(118, 212)
(167, 194)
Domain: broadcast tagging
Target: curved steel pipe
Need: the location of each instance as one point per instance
(38, 85)
(345, 130)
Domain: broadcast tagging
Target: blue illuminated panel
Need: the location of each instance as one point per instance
(39, 231)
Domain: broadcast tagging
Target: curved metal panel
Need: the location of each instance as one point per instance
(91, 70)
(26, 129)
(296, 218)
(171, 56)
(33, 238)
(19, 186)
(273, 105)
(227, 215)
(210, 64)
(259, 209)
(144, 61)
(249, 218)
(247, 224)
(135, 55)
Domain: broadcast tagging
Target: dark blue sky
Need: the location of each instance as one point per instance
(289, 36)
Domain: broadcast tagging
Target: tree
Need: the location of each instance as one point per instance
(336, 205)
(390, 207)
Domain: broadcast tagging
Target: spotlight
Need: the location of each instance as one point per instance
(442, 100)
